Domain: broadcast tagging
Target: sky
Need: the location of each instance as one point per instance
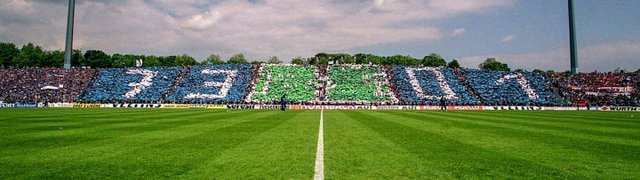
(526, 34)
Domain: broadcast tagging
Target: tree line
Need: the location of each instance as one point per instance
(30, 55)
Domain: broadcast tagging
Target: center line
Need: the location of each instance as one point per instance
(319, 171)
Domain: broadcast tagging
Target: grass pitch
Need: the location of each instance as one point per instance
(241, 144)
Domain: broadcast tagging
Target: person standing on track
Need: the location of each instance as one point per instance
(443, 104)
(283, 102)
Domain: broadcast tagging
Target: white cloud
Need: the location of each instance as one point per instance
(601, 57)
(509, 38)
(284, 28)
(458, 32)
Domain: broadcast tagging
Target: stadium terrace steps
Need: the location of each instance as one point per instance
(426, 85)
(465, 82)
(297, 83)
(502, 88)
(213, 84)
(42, 84)
(358, 83)
(327, 84)
(132, 84)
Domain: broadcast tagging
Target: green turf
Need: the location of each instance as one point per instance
(470, 145)
(249, 144)
(125, 143)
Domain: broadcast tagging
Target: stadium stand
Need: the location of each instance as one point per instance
(132, 84)
(506, 88)
(322, 84)
(598, 88)
(215, 84)
(298, 83)
(360, 84)
(30, 85)
(426, 85)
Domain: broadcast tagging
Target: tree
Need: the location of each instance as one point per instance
(297, 60)
(237, 59)
(494, 65)
(274, 60)
(322, 58)
(433, 60)
(29, 56)
(454, 64)
(77, 58)
(538, 71)
(7, 52)
(638, 71)
(323, 61)
(167, 61)
(257, 62)
(185, 60)
(311, 61)
(343, 58)
(403, 60)
(127, 60)
(97, 59)
(53, 59)
(373, 59)
(214, 59)
(151, 61)
(367, 58)
(117, 61)
(386, 61)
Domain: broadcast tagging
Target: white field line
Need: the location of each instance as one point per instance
(319, 170)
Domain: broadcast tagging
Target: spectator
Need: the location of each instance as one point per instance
(358, 84)
(505, 88)
(300, 83)
(597, 88)
(32, 85)
(215, 84)
(426, 85)
(135, 85)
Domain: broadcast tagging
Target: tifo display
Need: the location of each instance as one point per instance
(315, 85)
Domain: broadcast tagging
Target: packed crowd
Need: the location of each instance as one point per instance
(598, 88)
(334, 84)
(298, 84)
(136, 85)
(32, 85)
(506, 88)
(215, 84)
(426, 85)
(358, 83)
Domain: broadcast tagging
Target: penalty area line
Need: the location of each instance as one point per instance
(319, 170)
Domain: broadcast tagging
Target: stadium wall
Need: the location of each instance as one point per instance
(318, 107)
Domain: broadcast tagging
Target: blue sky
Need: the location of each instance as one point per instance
(526, 34)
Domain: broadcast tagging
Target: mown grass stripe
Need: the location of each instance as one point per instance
(283, 152)
(575, 155)
(597, 119)
(499, 122)
(154, 141)
(97, 133)
(458, 159)
(193, 146)
(355, 151)
(533, 122)
(578, 116)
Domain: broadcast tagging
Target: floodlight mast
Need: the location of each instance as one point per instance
(68, 49)
(572, 39)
